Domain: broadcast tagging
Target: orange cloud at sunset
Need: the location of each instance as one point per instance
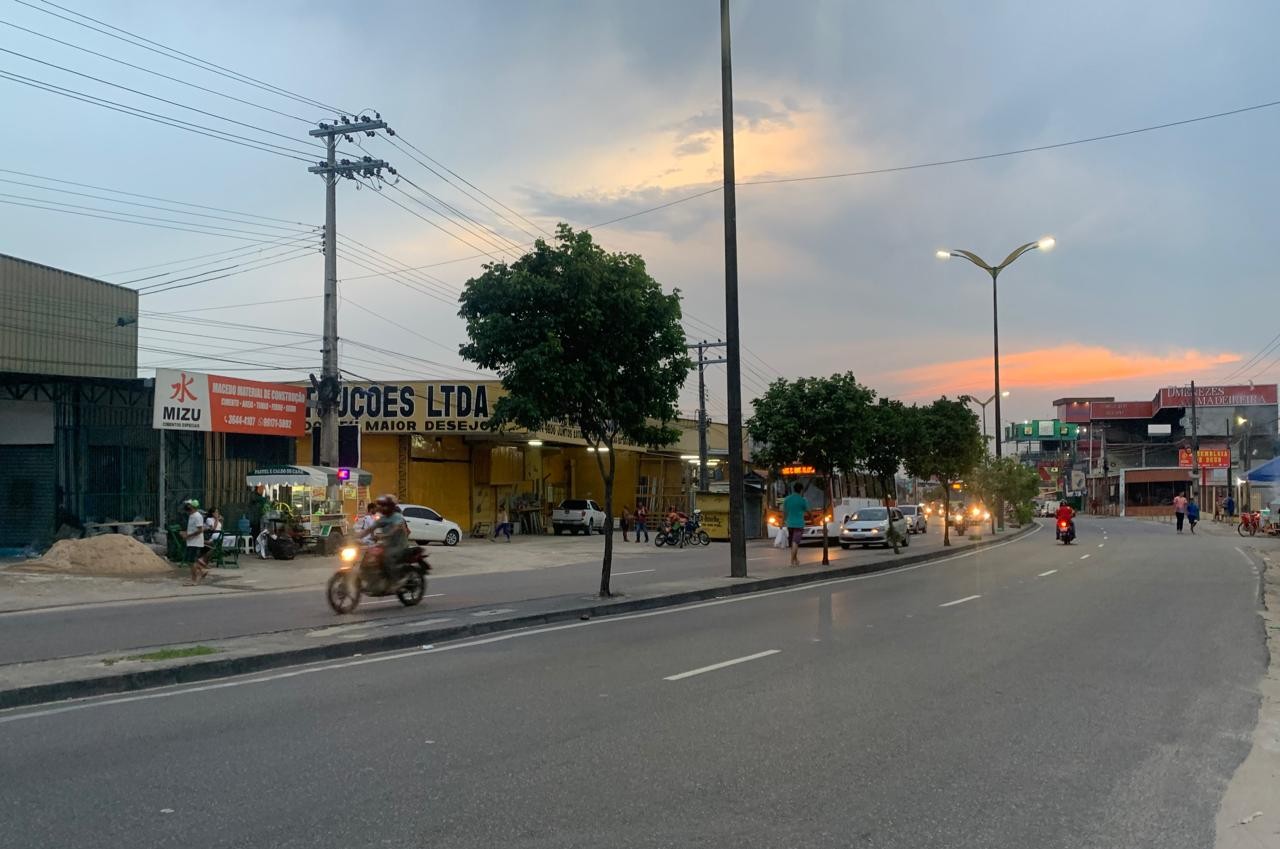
(1065, 368)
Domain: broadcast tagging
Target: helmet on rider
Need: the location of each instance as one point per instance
(387, 504)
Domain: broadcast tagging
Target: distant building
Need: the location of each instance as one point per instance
(1132, 457)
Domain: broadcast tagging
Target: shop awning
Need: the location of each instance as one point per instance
(1268, 472)
(305, 476)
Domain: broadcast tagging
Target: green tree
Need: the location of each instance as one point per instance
(891, 428)
(814, 421)
(948, 448)
(584, 337)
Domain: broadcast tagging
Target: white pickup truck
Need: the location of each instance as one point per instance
(579, 515)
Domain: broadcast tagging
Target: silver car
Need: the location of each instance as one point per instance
(917, 521)
(869, 526)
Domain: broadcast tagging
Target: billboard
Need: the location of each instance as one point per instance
(1218, 396)
(188, 400)
(1210, 458)
(1121, 410)
(416, 406)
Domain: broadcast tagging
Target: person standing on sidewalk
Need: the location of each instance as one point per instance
(504, 525)
(1180, 509)
(194, 539)
(1193, 513)
(1229, 505)
(626, 522)
(642, 521)
(794, 507)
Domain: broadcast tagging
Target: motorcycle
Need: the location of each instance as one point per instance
(693, 530)
(670, 533)
(1066, 531)
(1250, 523)
(361, 573)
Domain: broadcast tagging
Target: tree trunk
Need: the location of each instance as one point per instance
(822, 520)
(606, 568)
(946, 513)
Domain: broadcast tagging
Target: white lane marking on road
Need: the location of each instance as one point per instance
(1245, 556)
(1101, 544)
(328, 666)
(433, 595)
(721, 665)
(1047, 574)
(633, 572)
(960, 600)
(1084, 557)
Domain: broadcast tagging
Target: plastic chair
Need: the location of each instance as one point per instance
(221, 555)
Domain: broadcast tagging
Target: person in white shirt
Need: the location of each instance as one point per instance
(194, 538)
(366, 523)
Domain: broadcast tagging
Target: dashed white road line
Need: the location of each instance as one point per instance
(633, 572)
(1046, 574)
(960, 600)
(713, 667)
(1084, 557)
(1101, 544)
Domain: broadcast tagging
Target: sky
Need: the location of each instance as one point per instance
(588, 111)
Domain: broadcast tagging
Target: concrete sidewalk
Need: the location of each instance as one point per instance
(28, 590)
(97, 674)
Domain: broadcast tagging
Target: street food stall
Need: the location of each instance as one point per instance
(299, 497)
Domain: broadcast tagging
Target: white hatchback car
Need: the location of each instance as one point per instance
(870, 526)
(426, 525)
(917, 521)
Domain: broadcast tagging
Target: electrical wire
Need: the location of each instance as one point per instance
(202, 232)
(237, 249)
(357, 258)
(450, 289)
(153, 72)
(169, 288)
(504, 243)
(429, 221)
(167, 120)
(206, 276)
(245, 253)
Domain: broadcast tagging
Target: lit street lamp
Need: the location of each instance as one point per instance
(1045, 243)
(983, 405)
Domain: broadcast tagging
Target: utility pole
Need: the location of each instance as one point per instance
(703, 362)
(1195, 444)
(737, 490)
(327, 388)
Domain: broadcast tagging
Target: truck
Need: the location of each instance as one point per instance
(577, 515)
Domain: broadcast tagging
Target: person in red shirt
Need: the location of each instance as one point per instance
(1065, 513)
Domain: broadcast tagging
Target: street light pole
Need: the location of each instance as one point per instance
(1044, 243)
(983, 405)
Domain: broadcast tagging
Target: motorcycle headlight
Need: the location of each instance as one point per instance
(349, 554)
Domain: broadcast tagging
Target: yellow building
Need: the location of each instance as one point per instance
(430, 443)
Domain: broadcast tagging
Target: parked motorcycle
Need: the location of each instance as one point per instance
(670, 534)
(361, 573)
(1066, 531)
(1250, 523)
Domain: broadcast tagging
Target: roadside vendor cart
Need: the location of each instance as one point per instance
(300, 503)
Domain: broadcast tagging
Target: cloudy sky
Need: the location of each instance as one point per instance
(592, 110)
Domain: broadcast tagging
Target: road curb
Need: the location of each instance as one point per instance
(409, 637)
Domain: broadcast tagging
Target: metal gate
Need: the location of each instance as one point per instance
(26, 495)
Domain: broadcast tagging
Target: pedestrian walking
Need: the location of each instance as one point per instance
(794, 507)
(503, 526)
(1193, 513)
(194, 538)
(626, 522)
(366, 522)
(1180, 509)
(642, 521)
(1230, 506)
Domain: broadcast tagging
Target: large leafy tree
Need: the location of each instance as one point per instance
(581, 336)
(948, 448)
(813, 421)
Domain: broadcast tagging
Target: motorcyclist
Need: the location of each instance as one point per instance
(1066, 514)
(391, 532)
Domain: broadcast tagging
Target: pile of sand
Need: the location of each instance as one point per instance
(108, 554)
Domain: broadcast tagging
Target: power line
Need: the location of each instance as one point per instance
(236, 249)
(392, 276)
(428, 220)
(451, 290)
(362, 259)
(243, 252)
(167, 120)
(504, 244)
(410, 144)
(238, 306)
(304, 252)
(202, 232)
(157, 97)
(110, 199)
(178, 55)
(153, 197)
(207, 275)
(153, 72)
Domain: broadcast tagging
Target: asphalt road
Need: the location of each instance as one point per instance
(1032, 695)
(120, 626)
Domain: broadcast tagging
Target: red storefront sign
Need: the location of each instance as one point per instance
(1218, 396)
(187, 400)
(1210, 458)
(1121, 410)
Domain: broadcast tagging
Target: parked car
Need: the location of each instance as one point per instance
(870, 526)
(916, 518)
(426, 525)
(579, 515)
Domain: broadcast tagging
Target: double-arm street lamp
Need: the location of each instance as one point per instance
(983, 405)
(1043, 244)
